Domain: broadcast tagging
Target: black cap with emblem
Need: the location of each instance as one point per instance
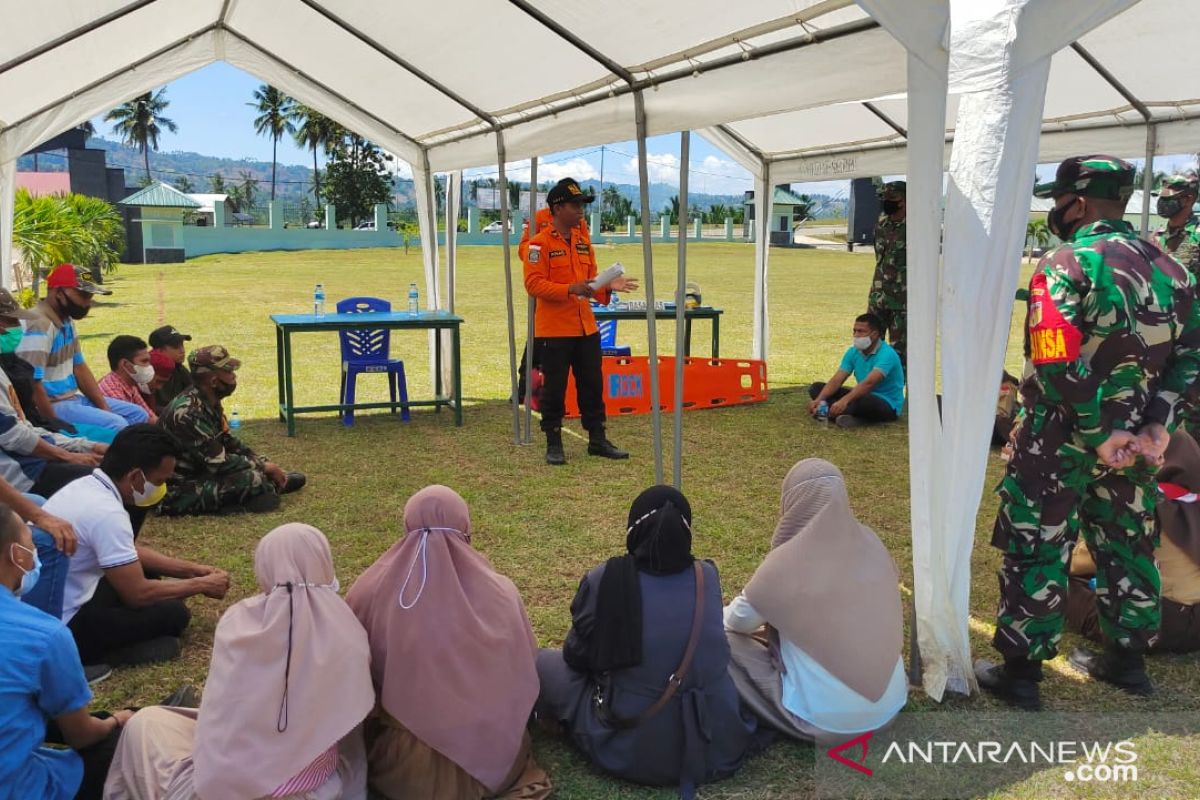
(567, 191)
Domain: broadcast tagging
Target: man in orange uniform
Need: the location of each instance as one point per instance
(559, 263)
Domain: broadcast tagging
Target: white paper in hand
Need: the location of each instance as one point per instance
(608, 276)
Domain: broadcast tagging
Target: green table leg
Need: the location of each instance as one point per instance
(437, 368)
(687, 336)
(716, 344)
(279, 368)
(458, 415)
(290, 398)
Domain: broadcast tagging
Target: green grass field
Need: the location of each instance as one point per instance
(544, 528)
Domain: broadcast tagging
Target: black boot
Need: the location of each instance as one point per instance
(599, 445)
(554, 449)
(1015, 681)
(1122, 668)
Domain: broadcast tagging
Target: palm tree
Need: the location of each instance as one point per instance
(1037, 234)
(52, 229)
(216, 184)
(184, 184)
(275, 111)
(316, 131)
(140, 122)
(246, 189)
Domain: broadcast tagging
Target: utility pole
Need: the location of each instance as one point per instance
(601, 186)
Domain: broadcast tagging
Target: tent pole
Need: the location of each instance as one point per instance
(639, 105)
(1148, 176)
(452, 245)
(763, 206)
(508, 291)
(680, 310)
(531, 308)
(8, 184)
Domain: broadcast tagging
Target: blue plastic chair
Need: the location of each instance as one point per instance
(608, 339)
(365, 350)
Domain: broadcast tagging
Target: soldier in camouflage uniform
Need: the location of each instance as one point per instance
(1180, 236)
(888, 298)
(1113, 334)
(217, 472)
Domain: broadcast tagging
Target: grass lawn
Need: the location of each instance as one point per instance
(545, 528)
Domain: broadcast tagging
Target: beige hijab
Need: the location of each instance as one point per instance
(829, 585)
(452, 652)
(290, 673)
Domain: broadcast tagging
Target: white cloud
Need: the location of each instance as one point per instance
(576, 167)
(661, 167)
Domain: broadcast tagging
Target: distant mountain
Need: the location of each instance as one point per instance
(294, 182)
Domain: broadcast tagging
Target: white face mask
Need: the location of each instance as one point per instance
(142, 374)
(863, 343)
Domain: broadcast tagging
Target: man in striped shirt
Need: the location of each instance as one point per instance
(64, 386)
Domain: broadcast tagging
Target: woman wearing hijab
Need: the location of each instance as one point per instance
(452, 657)
(289, 685)
(642, 681)
(1178, 557)
(829, 665)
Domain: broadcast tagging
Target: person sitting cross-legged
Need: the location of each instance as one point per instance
(41, 681)
(118, 613)
(217, 472)
(878, 394)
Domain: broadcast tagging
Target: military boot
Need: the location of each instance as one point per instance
(554, 449)
(599, 445)
(1122, 668)
(1015, 681)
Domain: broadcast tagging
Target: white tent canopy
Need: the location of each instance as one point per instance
(793, 89)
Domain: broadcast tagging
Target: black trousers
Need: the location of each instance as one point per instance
(105, 624)
(96, 759)
(870, 408)
(581, 356)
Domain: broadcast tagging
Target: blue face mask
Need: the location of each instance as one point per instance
(30, 577)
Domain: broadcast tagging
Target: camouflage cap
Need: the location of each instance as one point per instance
(894, 187)
(1102, 177)
(11, 309)
(1178, 184)
(210, 359)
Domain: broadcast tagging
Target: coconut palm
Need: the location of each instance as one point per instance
(316, 131)
(1037, 234)
(216, 183)
(246, 189)
(140, 122)
(275, 111)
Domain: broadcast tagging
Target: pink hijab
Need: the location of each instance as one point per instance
(452, 652)
(829, 586)
(265, 716)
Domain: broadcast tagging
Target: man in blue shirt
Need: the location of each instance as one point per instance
(41, 679)
(878, 393)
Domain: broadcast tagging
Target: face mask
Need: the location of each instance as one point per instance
(142, 374)
(863, 343)
(151, 494)
(1057, 223)
(72, 309)
(891, 207)
(1168, 206)
(9, 339)
(29, 577)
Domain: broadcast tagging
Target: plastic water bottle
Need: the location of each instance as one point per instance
(319, 300)
(823, 412)
(1092, 584)
(414, 301)
(235, 422)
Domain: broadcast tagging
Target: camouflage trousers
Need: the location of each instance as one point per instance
(190, 496)
(891, 310)
(1037, 531)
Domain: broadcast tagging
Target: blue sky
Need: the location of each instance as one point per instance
(210, 106)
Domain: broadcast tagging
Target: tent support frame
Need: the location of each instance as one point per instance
(680, 310)
(639, 106)
(532, 308)
(505, 217)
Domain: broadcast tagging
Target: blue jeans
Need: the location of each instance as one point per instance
(79, 410)
(47, 595)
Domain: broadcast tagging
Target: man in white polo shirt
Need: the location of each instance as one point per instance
(116, 613)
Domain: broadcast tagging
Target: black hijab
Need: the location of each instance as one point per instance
(659, 542)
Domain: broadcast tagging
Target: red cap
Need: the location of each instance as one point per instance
(63, 277)
(164, 365)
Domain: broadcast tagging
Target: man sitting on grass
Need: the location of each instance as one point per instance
(118, 613)
(131, 374)
(878, 393)
(217, 473)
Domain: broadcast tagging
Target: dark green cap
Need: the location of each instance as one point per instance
(894, 187)
(1178, 184)
(1102, 177)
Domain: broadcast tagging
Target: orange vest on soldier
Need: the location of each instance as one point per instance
(551, 265)
(542, 221)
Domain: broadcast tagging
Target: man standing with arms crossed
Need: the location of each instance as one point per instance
(559, 263)
(1113, 333)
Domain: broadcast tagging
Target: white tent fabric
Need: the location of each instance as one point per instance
(793, 89)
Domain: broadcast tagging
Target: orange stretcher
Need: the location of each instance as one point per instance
(707, 383)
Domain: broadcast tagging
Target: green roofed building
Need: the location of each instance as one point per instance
(784, 206)
(161, 218)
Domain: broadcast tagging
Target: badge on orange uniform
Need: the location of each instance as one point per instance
(1052, 339)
